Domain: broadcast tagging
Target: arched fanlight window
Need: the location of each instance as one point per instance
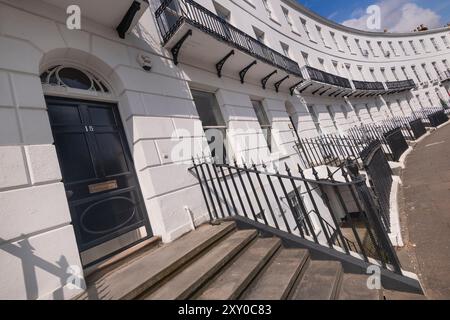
(70, 77)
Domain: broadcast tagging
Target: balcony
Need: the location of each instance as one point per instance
(367, 89)
(400, 86)
(323, 83)
(198, 37)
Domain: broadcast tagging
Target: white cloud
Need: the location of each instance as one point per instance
(397, 16)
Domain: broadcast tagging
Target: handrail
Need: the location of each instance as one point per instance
(323, 181)
(232, 190)
(199, 16)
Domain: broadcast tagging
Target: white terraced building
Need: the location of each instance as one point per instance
(98, 125)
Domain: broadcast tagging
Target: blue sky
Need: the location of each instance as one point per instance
(396, 15)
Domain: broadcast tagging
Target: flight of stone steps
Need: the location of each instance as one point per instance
(221, 262)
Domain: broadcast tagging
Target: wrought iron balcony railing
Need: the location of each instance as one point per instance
(325, 77)
(401, 85)
(172, 13)
(365, 85)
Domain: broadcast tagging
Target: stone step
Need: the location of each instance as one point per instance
(321, 281)
(108, 266)
(237, 276)
(132, 280)
(354, 287)
(191, 278)
(400, 295)
(277, 280)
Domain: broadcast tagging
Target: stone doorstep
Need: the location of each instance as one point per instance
(136, 277)
(121, 259)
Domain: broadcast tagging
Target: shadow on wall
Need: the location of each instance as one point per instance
(30, 263)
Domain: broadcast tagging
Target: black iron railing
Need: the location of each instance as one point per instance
(418, 128)
(437, 118)
(380, 177)
(396, 142)
(401, 85)
(424, 113)
(172, 13)
(329, 149)
(325, 77)
(404, 124)
(370, 132)
(300, 206)
(365, 85)
(335, 149)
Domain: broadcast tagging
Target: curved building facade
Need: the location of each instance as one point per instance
(104, 104)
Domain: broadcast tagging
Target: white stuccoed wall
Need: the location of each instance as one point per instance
(36, 238)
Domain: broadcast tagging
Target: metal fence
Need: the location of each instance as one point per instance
(330, 149)
(337, 210)
(371, 132)
(437, 118)
(418, 128)
(396, 142)
(425, 112)
(380, 177)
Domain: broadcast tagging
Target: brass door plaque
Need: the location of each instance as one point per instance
(102, 186)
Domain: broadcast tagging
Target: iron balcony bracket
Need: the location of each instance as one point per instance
(277, 84)
(219, 65)
(176, 48)
(334, 92)
(266, 78)
(125, 24)
(317, 90)
(245, 70)
(339, 93)
(309, 85)
(291, 89)
(324, 91)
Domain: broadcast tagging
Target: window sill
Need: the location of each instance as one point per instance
(296, 32)
(250, 3)
(274, 20)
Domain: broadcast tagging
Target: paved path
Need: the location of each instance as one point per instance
(426, 211)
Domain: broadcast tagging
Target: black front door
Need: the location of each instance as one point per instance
(98, 173)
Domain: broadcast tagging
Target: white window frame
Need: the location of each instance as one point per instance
(265, 125)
